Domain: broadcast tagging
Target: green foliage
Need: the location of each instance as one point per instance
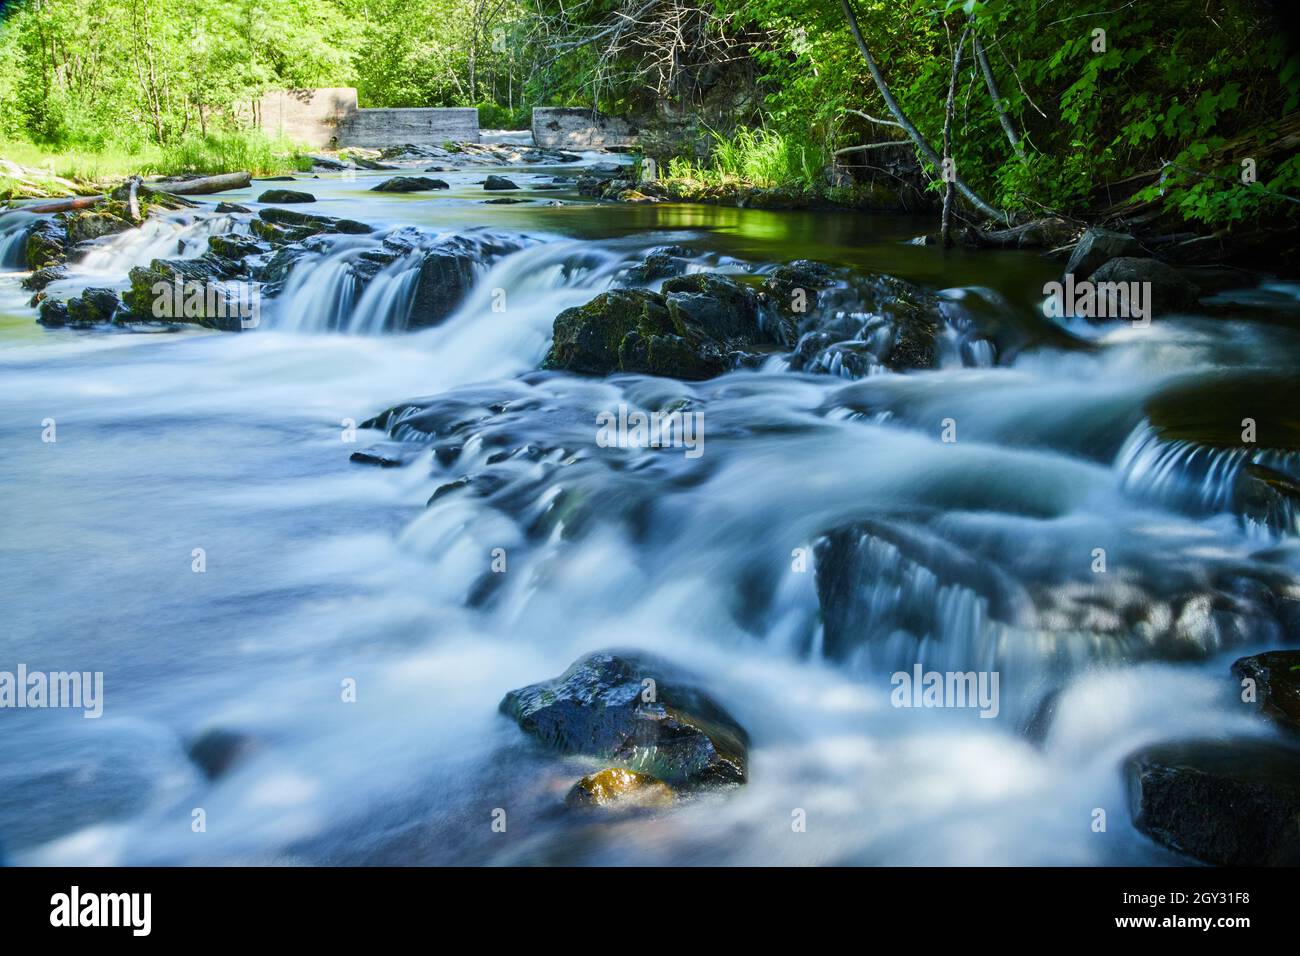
(229, 152)
(763, 157)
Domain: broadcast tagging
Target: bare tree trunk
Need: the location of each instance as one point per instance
(949, 189)
(891, 104)
(999, 105)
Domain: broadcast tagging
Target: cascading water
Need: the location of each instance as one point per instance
(827, 536)
(13, 240)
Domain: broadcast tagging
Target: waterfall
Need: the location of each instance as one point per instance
(13, 241)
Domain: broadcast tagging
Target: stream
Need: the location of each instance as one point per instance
(321, 571)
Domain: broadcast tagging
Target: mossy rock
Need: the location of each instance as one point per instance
(95, 224)
(587, 338)
(617, 787)
(47, 244)
(410, 184)
(93, 307)
(639, 711)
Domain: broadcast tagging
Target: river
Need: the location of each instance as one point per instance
(321, 571)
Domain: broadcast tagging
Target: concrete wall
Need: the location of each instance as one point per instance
(386, 127)
(330, 117)
(561, 126)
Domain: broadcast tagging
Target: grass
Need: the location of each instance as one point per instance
(762, 157)
(217, 152)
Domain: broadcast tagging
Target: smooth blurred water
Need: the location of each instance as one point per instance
(321, 571)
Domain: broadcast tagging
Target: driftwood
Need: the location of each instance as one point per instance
(1038, 234)
(64, 205)
(203, 185)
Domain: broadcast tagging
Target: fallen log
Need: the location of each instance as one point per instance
(64, 205)
(203, 185)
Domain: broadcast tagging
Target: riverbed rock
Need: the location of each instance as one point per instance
(499, 182)
(52, 313)
(204, 299)
(232, 207)
(217, 751)
(1277, 685)
(39, 279)
(798, 283)
(617, 787)
(1228, 802)
(282, 226)
(660, 263)
(94, 224)
(697, 327)
(372, 164)
(638, 711)
(1097, 246)
(47, 244)
(410, 184)
(446, 276)
(1170, 291)
(711, 306)
(234, 247)
(93, 307)
(285, 196)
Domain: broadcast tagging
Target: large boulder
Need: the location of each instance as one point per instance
(698, 327)
(1170, 290)
(499, 182)
(1097, 246)
(1229, 802)
(1277, 684)
(410, 184)
(638, 711)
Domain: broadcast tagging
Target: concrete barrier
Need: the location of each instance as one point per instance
(555, 126)
(330, 116)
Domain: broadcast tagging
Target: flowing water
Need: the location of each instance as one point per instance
(974, 554)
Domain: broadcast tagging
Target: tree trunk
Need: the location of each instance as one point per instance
(949, 169)
(1007, 126)
(896, 111)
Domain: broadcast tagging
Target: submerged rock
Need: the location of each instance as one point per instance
(620, 788)
(639, 711)
(410, 184)
(285, 196)
(1170, 290)
(1233, 802)
(1277, 685)
(217, 751)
